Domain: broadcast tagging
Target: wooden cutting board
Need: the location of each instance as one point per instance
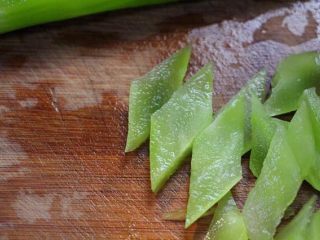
(64, 106)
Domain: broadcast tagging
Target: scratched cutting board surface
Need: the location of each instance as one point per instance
(64, 106)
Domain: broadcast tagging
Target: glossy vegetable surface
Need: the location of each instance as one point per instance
(301, 138)
(177, 123)
(297, 229)
(275, 189)
(150, 92)
(227, 223)
(263, 129)
(294, 74)
(216, 154)
(17, 14)
(313, 102)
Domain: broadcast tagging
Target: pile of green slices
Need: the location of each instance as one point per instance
(179, 121)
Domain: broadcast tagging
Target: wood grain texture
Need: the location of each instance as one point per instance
(64, 103)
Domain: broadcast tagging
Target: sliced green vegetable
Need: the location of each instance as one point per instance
(263, 129)
(275, 189)
(297, 228)
(150, 92)
(301, 135)
(302, 142)
(17, 14)
(216, 160)
(255, 87)
(294, 74)
(313, 102)
(216, 153)
(177, 123)
(227, 223)
(313, 230)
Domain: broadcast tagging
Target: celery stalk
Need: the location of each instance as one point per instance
(16, 14)
(217, 151)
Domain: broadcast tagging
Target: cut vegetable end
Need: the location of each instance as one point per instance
(156, 187)
(192, 219)
(180, 214)
(130, 148)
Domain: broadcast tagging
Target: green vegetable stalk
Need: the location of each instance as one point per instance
(177, 123)
(313, 102)
(275, 189)
(263, 129)
(297, 229)
(216, 160)
(293, 156)
(301, 139)
(150, 92)
(302, 133)
(227, 223)
(16, 14)
(294, 74)
(217, 151)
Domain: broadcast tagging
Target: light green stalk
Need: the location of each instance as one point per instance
(16, 14)
(150, 92)
(177, 123)
(216, 153)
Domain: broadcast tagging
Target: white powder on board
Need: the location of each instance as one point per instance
(32, 207)
(232, 47)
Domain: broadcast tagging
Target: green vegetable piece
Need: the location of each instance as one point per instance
(302, 141)
(263, 129)
(294, 74)
(216, 160)
(150, 92)
(275, 189)
(227, 223)
(313, 230)
(17, 14)
(216, 153)
(297, 228)
(255, 87)
(313, 102)
(176, 124)
(301, 135)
